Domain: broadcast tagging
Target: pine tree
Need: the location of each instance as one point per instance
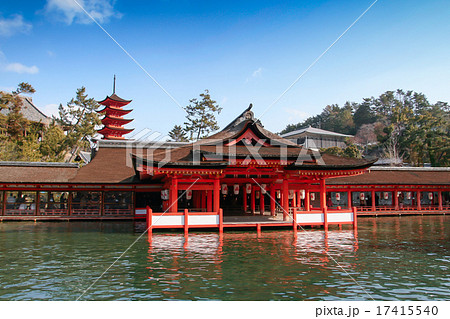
(178, 134)
(200, 116)
(79, 120)
(52, 145)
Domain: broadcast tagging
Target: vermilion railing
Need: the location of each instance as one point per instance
(184, 220)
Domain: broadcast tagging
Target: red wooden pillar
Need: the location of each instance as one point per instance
(2, 212)
(299, 200)
(38, 205)
(186, 221)
(261, 203)
(440, 200)
(349, 199)
(209, 199)
(419, 204)
(373, 201)
(245, 199)
(395, 194)
(69, 203)
(216, 195)
(307, 200)
(272, 200)
(323, 194)
(253, 201)
(173, 194)
(285, 198)
(149, 220)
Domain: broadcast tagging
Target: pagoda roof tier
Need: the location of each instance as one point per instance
(114, 100)
(108, 128)
(108, 119)
(244, 143)
(112, 110)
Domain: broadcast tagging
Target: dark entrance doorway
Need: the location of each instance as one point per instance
(232, 205)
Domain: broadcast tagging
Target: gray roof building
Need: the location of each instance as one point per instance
(30, 111)
(316, 138)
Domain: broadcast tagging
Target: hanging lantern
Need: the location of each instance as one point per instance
(386, 195)
(302, 194)
(236, 189)
(362, 196)
(224, 189)
(278, 194)
(398, 194)
(291, 194)
(257, 194)
(430, 195)
(408, 195)
(313, 196)
(338, 196)
(189, 194)
(248, 188)
(165, 194)
(263, 188)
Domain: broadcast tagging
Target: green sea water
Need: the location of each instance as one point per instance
(390, 258)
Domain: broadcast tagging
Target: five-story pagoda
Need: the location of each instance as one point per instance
(113, 120)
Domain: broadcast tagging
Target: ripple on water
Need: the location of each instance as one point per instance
(58, 261)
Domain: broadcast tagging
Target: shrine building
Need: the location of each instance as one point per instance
(242, 176)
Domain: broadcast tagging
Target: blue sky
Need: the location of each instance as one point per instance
(242, 51)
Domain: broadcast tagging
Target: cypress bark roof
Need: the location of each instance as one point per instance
(36, 172)
(397, 176)
(246, 137)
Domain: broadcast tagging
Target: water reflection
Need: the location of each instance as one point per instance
(404, 258)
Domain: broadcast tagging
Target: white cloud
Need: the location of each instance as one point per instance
(15, 66)
(296, 115)
(70, 11)
(256, 74)
(15, 24)
(20, 68)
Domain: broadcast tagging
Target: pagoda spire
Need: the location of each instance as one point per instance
(113, 112)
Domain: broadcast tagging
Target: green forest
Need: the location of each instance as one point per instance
(398, 125)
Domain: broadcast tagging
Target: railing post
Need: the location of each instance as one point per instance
(149, 221)
(325, 218)
(220, 220)
(355, 222)
(294, 219)
(186, 221)
(216, 194)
